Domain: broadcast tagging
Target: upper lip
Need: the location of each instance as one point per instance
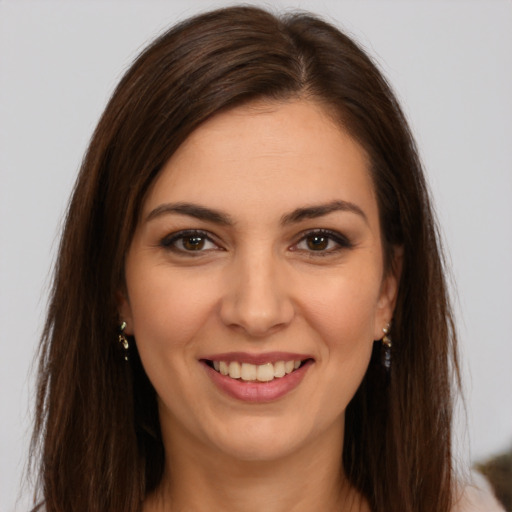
(257, 359)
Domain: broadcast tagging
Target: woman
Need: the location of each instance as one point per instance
(249, 309)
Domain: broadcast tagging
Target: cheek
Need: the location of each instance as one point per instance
(343, 314)
(168, 308)
(340, 315)
(344, 310)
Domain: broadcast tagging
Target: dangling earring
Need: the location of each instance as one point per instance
(386, 348)
(123, 340)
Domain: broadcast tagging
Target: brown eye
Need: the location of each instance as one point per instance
(193, 243)
(190, 241)
(317, 242)
(322, 242)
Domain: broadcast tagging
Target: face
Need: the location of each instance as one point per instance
(255, 284)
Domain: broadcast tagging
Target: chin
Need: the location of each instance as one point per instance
(260, 439)
(259, 446)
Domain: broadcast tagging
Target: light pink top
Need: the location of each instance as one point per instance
(478, 497)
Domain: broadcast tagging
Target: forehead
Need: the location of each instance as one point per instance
(267, 156)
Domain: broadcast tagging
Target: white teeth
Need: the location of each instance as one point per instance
(249, 371)
(265, 372)
(234, 370)
(279, 370)
(224, 368)
(252, 372)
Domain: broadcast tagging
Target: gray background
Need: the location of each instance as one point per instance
(450, 64)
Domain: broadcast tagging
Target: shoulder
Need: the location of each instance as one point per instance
(477, 496)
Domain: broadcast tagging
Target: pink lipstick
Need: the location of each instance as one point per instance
(257, 377)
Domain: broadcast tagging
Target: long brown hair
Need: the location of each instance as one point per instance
(97, 441)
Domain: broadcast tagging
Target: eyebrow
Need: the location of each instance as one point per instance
(192, 210)
(221, 218)
(315, 211)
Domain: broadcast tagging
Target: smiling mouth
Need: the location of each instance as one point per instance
(248, 372)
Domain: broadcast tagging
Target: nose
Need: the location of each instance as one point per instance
(257, 299)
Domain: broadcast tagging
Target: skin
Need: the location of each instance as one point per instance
(257, 285)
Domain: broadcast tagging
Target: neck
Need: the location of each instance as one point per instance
(205, 480)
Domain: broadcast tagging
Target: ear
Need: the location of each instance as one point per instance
(388, 293)
(125, 311)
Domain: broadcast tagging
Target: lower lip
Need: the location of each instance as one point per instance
(258, 391)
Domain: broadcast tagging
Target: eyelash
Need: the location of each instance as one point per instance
(170, 241)
(341, 241)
